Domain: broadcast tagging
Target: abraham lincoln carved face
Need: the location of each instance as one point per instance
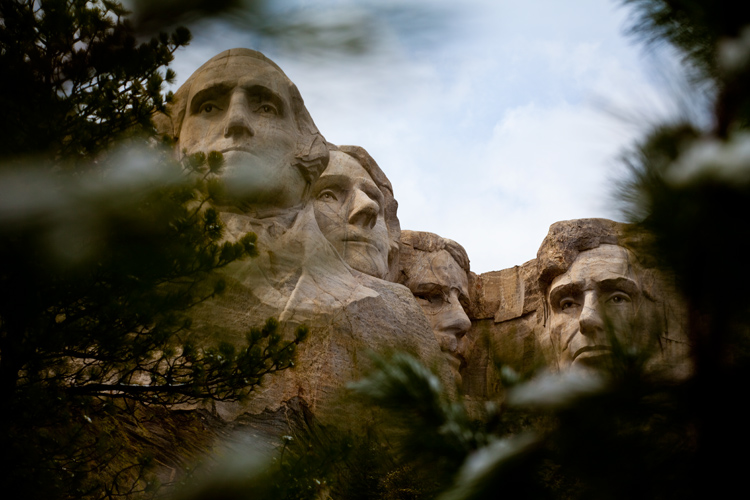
(597, 298)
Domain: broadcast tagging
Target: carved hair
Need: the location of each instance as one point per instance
(391, 205)
(567, 239)
(428, 242)
(311, 151)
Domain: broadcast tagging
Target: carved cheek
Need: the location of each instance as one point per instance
(196, 136)
(326, 215)
(562, 325)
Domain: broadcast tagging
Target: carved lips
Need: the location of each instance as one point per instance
(590, 351)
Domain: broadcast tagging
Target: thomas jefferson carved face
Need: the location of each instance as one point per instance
(599, 292)
(241, 107)
(442, 290)
(349, 208)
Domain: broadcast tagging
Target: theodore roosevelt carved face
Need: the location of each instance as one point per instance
(435, 270)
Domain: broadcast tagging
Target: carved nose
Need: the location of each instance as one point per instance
(238, 127)
(238, 121)
(453, 321)
(364, 210)
(590, 321)
(456, 322)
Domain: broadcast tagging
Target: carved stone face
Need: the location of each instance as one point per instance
(442, 288)
(600, 288)
(242, 108)
(350, 213)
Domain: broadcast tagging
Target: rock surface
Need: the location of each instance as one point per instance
(510, 308)
(328, 232)
(242, 104)
(436, 271)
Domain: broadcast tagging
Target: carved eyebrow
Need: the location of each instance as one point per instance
(619, 284)
(256, 92)
(328, 181)
(207, 94)
(568, 290)
(262, 94)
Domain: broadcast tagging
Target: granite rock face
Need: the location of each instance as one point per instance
(599, 281)
(506, 328)
(436, 271)
(242, 104)
(590, 277)
(332, 256)
(356, 211)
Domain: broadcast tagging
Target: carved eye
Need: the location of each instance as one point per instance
(567, 303)
(208, 108)
(434, 298)
(327, 195)
(619, 298)
(267, 109)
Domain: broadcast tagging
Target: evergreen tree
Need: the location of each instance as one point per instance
(630, 433)
(627, 433)
(106, 245)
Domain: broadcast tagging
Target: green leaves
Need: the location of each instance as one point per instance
(80, 79)
(107, 244)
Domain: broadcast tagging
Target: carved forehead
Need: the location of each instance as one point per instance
(235, 56)
(343, 165)
(605, 262)
(231, 71)
(438, 268)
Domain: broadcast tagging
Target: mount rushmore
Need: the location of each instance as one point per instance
(332, 256)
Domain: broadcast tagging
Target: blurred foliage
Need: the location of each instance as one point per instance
(87, 319)
(713, 38)
(76, 79)
(626, 431)
(106, 245)
(691, 188)
(322, 29)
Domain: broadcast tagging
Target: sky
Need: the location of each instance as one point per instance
(492, 119)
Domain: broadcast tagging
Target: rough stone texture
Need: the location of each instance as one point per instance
(507, 294)
(241, 104)
(436, 271)
(198, 442)
(505, 329)
(510, 316)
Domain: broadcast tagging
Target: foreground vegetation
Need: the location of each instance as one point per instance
(627, 433)
(106, 245)
(104, 253)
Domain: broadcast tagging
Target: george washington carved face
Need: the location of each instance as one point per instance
(241, 104)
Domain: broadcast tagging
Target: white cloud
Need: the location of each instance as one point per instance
(493, 135)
